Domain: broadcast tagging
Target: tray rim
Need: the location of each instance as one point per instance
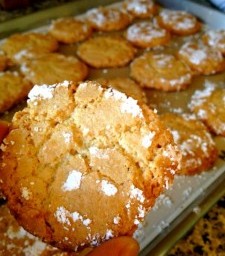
(43, 17)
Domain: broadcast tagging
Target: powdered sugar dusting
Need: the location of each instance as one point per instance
(147, 139)
(73, 181)
(65, 217)
(130, 106)
(43, 91)
(116, 219)
(179, 19)
(108, 188)
(137, 193)
(216, 39)
(67, 136)
(76, 216)
(26, 194)
(109, 234)
(199, 97)
(139, 6)
(99, 153)
(198, 53)
(144, 31)
(61, 215)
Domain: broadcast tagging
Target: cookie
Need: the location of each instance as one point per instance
(140, 8)
(108, 19)
(125, 85)
(70, 30)
(215, 39)
(160, 71)
(53, 68)
(13, 89)
(83, 164)
(198, 149)
(145, 34)
(202, 59)
(178, 22)
(106, 52)
(14, 240)
(18, 45)
(209, 106)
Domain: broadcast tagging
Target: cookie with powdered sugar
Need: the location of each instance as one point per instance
(161, 71)
(178, 22)
(140, 8)
(209, 106)
(51, 68)
(106, 51)
(70, 30)
(107, 18)
(83, 164)
(215, 39)
(202, 59)
(145, 34)
(13, 89)
(17, 46)
(196, 144)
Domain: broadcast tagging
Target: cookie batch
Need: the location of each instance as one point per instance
(87, 157)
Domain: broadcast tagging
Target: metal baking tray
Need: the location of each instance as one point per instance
(179, 208)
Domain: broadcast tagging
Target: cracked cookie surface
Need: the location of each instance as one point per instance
(84, 164)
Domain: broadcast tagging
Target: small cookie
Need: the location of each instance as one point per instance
(140, 8)
(160, 71)
(18, 45)
(13, 89)
(202, 59)
(83, 164)
(14, 240)
(197, 147)
(106, 52)
(70, 30)
(209, 106)
(53, 68)
(108, 19)
(146, 34)
(215, 39)
(178, 22)
(125, 85)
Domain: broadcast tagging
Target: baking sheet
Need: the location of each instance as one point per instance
(187, 193)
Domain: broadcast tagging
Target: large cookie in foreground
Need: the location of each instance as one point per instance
(84, 164)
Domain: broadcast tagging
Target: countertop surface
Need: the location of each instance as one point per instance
(207, 237)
